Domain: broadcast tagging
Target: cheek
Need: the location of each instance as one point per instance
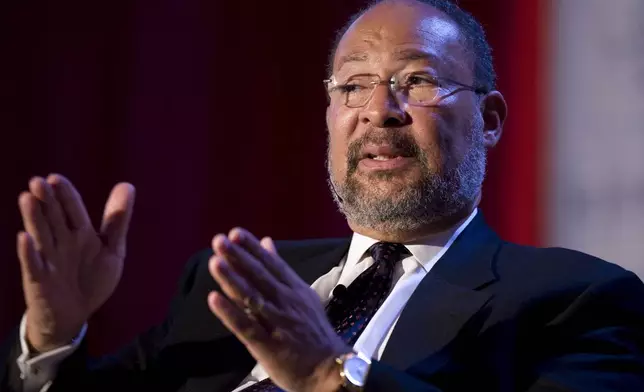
(438, 134)
(341, 125)
(428, 127)
(457, 123)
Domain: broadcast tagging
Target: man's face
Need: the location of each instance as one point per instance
(395, 166)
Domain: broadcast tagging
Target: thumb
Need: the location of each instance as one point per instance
(268, 244)
(116, 217)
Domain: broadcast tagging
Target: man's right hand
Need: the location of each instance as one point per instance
(69, 269)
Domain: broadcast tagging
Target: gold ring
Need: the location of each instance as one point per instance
(254, 304)
(276, 334)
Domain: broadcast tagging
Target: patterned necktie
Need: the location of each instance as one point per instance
(350, 310)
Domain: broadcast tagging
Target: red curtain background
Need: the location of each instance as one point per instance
(214, 110)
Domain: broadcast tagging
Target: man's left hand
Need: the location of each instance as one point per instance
(274, 313)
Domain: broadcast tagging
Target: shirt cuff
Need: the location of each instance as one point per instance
(38, 372)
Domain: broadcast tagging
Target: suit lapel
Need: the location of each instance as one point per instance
(446, 304)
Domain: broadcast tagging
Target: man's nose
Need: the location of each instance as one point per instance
(383, 110)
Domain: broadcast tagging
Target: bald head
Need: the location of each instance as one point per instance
(426, 35)
(454, 20)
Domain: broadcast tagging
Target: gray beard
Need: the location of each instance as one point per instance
(433, 200)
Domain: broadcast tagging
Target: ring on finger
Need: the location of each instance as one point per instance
(253, 305)
(276, 334)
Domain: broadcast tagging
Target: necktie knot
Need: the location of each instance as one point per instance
(386, 252)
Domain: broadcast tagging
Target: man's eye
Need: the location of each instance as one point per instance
(350, 88)
(420, 80)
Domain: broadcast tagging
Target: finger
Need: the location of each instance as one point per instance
(271, 260)
(35, 224)
(247, 265)
(232, 284)
(268, 244)
(51, 207)
(277, 263)
(31, 265)
(249, 332)
(70, 201)
(238, 291)
(117, 216)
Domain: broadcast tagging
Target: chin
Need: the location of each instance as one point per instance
(390, 189)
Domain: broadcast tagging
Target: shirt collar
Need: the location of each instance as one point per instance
(423, 249)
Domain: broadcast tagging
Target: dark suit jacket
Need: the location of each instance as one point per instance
(489, 316)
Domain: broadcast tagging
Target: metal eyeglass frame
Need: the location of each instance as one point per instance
(396, 87)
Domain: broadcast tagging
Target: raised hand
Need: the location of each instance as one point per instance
(274, 313)
(69, 269)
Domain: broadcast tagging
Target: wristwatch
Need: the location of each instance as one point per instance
(354, 368)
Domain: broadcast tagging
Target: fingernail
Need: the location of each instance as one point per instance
(220, 241)
(235, 235)
(239, 234)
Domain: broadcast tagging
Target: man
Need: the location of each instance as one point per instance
(423, 297)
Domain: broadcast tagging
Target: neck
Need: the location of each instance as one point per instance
(423, 232)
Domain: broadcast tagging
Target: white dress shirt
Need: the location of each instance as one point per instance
(38, 372)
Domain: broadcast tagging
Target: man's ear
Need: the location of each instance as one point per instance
(494, 111)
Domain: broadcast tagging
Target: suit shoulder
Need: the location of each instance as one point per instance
(197, 264)
(556, 263)
(199, 258)
(293, 250)
(286, 248)
(313, 245)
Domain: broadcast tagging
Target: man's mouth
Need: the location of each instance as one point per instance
(375, 158)
(383, 153)
(381, 157)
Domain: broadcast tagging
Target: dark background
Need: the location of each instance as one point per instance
(214, 110)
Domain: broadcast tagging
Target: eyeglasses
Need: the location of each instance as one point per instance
(417, 89)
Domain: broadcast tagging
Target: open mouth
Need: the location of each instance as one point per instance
(383, 152)
(384, 158)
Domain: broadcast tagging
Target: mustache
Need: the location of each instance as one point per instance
(399, 140)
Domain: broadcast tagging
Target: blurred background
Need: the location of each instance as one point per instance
(214, 110)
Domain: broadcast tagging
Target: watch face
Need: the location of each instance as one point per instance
(355, 370)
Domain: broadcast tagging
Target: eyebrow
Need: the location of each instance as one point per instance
(398, 55)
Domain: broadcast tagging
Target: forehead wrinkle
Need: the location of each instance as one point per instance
(369, 36)
(414, 53)
(406, 51)
(407, 54)
(435, 40)
(352, 58)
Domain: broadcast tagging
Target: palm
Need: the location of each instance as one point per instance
(73, 294)
(70, 270)
(98, 279)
